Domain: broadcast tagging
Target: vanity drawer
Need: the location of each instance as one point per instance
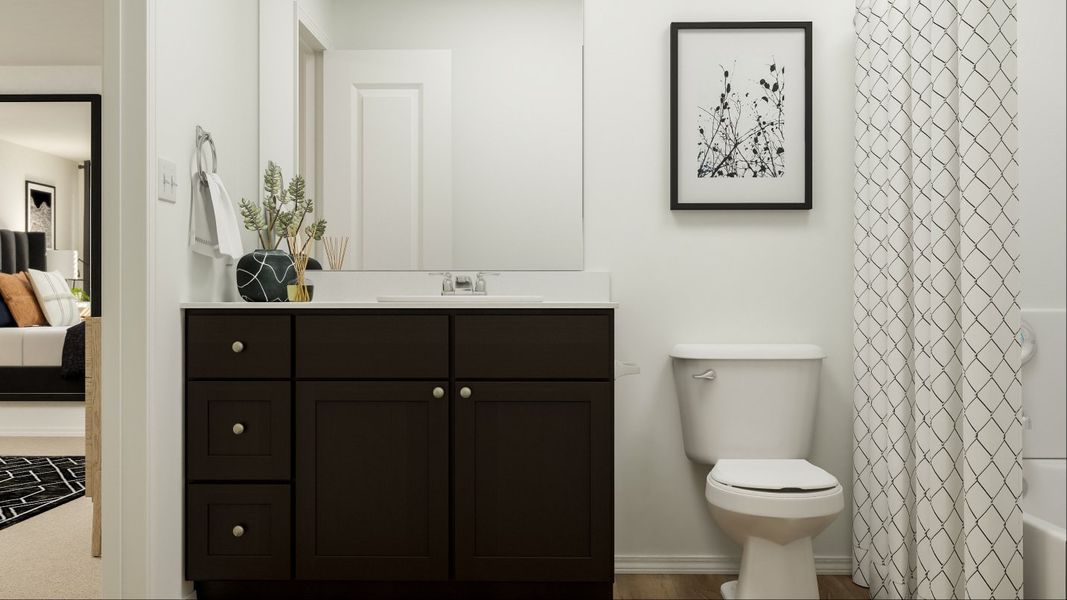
(237, 347)
(372, 347)
(534, 347)
(237, 430)
(238, 531)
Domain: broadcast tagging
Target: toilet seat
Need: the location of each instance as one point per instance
(783, 489)
(772, 475)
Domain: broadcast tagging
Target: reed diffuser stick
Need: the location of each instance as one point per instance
(300, 261)
(336, 248)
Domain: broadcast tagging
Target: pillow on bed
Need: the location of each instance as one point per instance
(55, 298)
(18, 296)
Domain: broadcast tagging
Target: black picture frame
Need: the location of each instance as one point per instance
(93, 169)
(34, 190)
(676, 203)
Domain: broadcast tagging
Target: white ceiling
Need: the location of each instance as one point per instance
(60, 128)
(51, 32)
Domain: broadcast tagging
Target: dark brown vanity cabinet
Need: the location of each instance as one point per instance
(458, 451)
(372, 489)
(533, 481)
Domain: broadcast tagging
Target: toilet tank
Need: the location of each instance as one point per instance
(747, 400)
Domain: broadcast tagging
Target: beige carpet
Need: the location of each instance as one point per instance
(47, 556)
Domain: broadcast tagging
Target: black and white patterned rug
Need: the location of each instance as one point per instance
(31, 485)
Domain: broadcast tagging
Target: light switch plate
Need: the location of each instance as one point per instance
(167, 181)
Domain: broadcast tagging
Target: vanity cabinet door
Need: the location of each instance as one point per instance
(372, 480)
(533, 481)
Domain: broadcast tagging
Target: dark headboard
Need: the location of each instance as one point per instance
(21, 250)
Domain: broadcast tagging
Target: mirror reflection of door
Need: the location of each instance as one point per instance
(387, 143)
(444, 134)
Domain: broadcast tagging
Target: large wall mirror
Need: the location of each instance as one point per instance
(445, 134)
(50, 188)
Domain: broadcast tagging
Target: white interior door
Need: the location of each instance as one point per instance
(387, 154)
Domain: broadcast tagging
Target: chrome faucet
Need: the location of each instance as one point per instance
(480, 283)
(464, 284)
(448, 288)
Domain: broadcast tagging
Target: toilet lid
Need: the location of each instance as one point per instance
(778, 474)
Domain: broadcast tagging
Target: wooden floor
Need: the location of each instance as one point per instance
(701, 587)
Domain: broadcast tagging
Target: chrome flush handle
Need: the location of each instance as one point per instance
(708, 375)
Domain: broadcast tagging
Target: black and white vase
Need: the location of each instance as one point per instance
(263, 275)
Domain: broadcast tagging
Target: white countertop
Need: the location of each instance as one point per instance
(396, 305)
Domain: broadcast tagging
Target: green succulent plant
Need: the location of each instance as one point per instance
(282, 212)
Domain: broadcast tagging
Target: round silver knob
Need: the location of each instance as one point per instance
(464, 392)
(238, 428)
(238, 531)
(439, 392)
(238, 347)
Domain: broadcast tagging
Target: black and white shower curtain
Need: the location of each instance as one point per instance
(938, 437)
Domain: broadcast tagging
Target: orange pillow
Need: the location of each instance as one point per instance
(21, 301)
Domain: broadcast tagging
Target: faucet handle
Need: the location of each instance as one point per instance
(447, 285)
(479, 284)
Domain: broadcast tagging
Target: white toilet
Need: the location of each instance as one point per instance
(749, 409)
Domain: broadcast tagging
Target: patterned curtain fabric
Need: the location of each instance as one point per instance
(938, 437)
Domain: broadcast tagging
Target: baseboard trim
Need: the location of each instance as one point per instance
(717, 565)
(43, 432)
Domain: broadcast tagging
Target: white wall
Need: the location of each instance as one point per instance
(214, 85)
(1042, 147)
(50, 79)
(51, 32)
(516, 118)
(19, 164)
(742, 276)
(42, 419)
(1043, 220)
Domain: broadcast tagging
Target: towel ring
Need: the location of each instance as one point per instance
(201, 137)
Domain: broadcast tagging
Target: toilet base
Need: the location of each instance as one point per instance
(770, 570)
(728, 590)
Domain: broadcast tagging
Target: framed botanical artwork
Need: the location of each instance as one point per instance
(741, 115)
(41, 211)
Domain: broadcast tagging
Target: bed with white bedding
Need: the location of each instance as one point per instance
(32, 346)
(31, 358)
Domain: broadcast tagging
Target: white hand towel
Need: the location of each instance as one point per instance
(213, 228)
(203, 235)
(229, 232)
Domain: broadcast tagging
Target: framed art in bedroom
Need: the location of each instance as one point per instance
(41, 211)
(741, 115)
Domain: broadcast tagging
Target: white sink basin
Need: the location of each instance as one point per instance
(461, 299)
